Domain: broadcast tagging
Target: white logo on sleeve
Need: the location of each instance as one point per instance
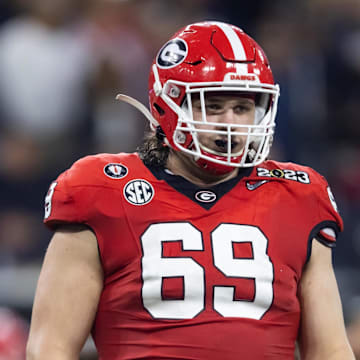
(48, 199)
(332, 199)
(138, 192)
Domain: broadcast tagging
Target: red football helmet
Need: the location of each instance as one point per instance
(210, 57)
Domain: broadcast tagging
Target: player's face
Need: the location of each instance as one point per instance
(225, 109)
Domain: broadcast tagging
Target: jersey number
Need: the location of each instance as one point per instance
(155, 268)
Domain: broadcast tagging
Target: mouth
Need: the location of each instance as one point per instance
(219, 147)
(222, 145)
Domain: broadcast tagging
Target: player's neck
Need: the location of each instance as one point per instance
(183, 165)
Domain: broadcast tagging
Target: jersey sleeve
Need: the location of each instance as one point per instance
(68, 200)
(61, 205)
(86, 194)
(330, 222)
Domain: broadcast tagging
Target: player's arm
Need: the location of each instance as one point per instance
(322, 333)
(67, 295)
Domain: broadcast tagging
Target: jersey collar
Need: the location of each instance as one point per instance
(206, 197)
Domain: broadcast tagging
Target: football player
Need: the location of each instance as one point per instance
(197, 246)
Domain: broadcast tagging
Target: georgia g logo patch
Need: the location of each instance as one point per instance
(172, 54)
(138, 192)
(205, 196)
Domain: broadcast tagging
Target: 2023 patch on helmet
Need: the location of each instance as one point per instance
(205, 58)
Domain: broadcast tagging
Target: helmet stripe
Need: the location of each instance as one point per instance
(235, 42)
(236, 45)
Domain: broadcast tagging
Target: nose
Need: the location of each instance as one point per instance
(228, 116)
(231, 115)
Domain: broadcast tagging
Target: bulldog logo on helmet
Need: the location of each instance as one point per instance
(172, 54)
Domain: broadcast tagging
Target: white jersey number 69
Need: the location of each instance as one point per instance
(156, 267)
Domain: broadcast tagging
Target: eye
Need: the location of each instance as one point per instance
(196, 105)
(213, 108)
(242, 108)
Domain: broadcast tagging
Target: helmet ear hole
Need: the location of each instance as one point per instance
(159, 109)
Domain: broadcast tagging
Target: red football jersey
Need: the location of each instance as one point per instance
(196, 273)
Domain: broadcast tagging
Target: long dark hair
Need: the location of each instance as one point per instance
(153, 150)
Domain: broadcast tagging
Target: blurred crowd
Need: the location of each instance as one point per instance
(63, 61)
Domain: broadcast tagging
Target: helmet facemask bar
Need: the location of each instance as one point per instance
(189, 125)
(263, 148)
(258, 135)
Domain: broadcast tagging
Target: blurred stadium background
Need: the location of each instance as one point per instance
(63, 61)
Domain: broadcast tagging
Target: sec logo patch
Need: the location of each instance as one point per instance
(138, 192)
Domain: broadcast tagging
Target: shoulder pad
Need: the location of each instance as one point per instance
(100, 170)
